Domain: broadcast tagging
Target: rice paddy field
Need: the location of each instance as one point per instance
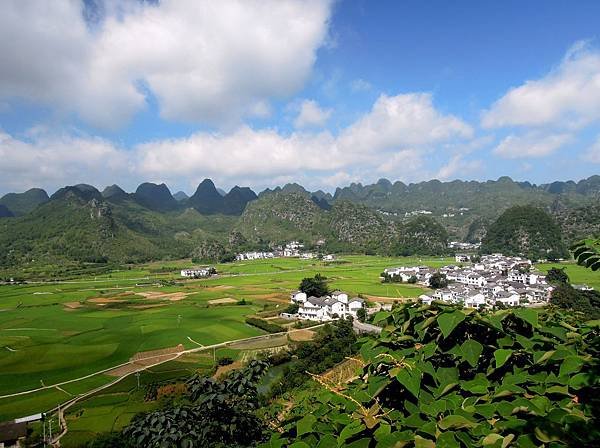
(65, 332)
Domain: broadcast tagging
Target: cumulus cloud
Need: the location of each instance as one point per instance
(531, 145)
(457, 166)
(311, 114)
(568, 96)
(205, 61)
(55, 160)
(402, 121)
(394, 138)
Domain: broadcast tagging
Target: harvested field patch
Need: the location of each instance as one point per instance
(144, 307)
(224, 370)
(219, 287)
(222, 301)
(171, 296)
(146, 359)
(301, 335)
(390, 299)
(105, 300)
(72, 305)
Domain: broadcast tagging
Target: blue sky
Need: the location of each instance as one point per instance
(317, 92)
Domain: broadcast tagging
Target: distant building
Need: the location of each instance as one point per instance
(335, 305)
(197, 272)
(494, 280)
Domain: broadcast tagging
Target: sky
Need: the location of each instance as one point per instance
(323, 93)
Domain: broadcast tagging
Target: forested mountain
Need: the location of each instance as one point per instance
(525, 230)
(21, 203)
(386, 218)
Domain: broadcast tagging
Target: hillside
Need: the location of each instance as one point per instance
(22, 203)
(525, 230)
(77, 226)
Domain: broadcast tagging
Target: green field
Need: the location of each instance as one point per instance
(60, 331)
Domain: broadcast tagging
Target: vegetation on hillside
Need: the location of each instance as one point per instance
(527, 231)
(442, 376)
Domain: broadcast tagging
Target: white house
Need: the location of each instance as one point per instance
(475, 300)
(195, 273)
(329, 257)
(336, 305)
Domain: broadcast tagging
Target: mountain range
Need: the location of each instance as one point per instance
(79, 224)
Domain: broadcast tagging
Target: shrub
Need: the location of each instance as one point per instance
(264, 325)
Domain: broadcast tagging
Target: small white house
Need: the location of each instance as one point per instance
(195, 273)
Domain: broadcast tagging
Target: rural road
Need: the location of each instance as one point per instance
(60, 409)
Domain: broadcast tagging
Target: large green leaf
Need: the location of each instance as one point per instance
(305, 424)
(449, 321)
(455, 422)
(528, 315)
(471, 351)
(410, 378)
(570, 364)
(501, 355)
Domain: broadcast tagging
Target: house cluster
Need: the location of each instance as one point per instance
(495, 279)
(417, 213)
(198, 272)
(463, 246)
(291, 249)
(336, 305)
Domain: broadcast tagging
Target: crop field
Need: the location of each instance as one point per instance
(73, 331)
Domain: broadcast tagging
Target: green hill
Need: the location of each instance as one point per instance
(525, 230)
(22, 203)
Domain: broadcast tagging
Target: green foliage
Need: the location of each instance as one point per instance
(569, 298)
(526, 231)
(556, 275)
(587, 253)
(447, 377)
(219, 414)
(264, 325)
(331, 346)
(438, 280)
(361, 314)
(314, 286)
(422, 235)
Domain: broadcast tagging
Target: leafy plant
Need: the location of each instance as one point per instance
(219, 414)
(443, 376)
(587, 253)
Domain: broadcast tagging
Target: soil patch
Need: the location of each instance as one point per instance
(72, 305)
(219, 287)
(391, 299)
(143, 307)
(105, 300)
(222, 301)
(171, 296)
(302, 335)
(224, 370)
(145, 359)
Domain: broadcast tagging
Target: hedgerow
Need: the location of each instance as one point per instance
(448, 377)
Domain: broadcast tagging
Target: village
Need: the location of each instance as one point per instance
(290, 249)
(486, 282)
(336, 305)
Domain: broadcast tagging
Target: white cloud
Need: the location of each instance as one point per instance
(401, 121)
(55, 160)
(532, 144)
(205, 61)
(457, 166)
(568, 96)
(593, 152)
(394, 138)
(311, 114)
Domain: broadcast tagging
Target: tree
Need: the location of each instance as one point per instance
(587, 253)
(219, 414)
(315, 286)
(438, 280)
(556, 275)
(412, 280)
(361, 314)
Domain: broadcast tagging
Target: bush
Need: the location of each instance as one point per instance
(264, 325)
(225, 361)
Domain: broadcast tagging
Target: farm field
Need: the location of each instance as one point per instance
(57, 332)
